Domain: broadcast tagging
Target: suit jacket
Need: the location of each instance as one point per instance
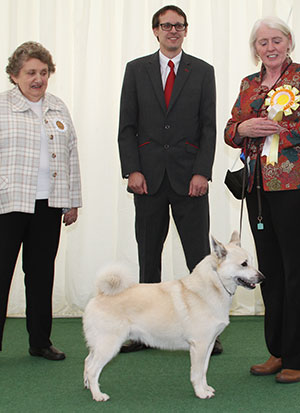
(179, 140)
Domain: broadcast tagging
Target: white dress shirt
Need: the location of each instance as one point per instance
(165, 68)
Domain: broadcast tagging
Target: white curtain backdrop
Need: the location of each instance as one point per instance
(91, 41)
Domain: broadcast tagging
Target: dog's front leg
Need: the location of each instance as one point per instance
(200, 354)
(87, 363)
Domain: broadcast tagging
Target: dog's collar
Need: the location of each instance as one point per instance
(226, 289)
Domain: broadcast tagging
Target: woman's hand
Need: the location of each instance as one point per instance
(70, 217)
(258, 127)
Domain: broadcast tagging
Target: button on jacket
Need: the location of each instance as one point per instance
(20, 132)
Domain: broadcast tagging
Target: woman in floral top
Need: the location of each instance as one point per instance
(265, 124)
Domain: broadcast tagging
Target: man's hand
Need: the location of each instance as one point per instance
(198, 186)
(137, 183)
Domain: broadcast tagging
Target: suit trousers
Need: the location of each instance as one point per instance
(39, 234)
(277, 247)
(191, 217)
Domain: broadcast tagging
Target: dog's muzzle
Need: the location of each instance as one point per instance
(251, 283)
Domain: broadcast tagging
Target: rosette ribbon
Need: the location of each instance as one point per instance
(282, 100)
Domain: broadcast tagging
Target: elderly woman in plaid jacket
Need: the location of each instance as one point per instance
(39, 180)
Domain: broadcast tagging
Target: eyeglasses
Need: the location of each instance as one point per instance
(167, 27)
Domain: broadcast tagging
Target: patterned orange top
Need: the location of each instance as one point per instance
(285, 174)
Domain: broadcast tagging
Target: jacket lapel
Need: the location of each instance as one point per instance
(153, 68)
(183, 73)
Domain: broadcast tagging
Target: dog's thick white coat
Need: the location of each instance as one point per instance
(184, 314)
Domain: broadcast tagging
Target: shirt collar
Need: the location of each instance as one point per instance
(164, 60)
(20, 103)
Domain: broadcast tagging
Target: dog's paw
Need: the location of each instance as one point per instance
(209, 388)
(205, 393)
(101, 397)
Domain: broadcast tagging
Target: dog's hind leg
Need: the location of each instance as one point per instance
(94, 365)
(200, 354)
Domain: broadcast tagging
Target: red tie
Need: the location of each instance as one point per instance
(169, 83)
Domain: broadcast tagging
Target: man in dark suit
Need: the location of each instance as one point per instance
(167, 137)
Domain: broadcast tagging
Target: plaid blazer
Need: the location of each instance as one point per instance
(20, 132)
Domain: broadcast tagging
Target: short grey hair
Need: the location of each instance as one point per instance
(272, 23)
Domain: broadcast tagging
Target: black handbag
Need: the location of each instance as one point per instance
(236, 182)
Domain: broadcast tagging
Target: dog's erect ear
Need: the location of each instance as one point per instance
(235, 238)
(219, 248)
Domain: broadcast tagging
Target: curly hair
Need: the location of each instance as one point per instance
(26, 51)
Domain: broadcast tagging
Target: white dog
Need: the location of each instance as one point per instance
(185, 314)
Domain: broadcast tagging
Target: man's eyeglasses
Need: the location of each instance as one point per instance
(167, 27)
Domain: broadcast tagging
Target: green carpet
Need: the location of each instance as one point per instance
(149, 381)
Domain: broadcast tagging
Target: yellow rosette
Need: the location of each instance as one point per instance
(282, 100)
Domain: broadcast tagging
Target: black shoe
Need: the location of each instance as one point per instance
(218, 348)
(49, 353)
(131, 346)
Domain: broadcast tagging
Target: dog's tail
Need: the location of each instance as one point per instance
(113, 280)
